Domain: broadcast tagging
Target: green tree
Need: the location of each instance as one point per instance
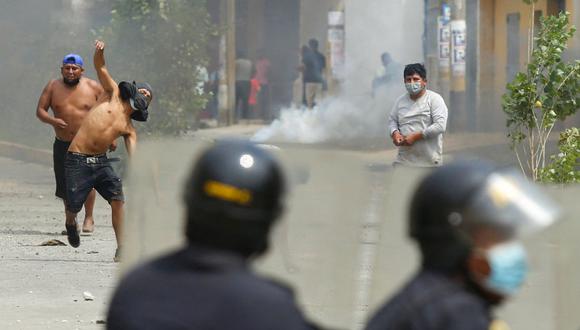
(164, 43)
(565, 166)
(545, 93)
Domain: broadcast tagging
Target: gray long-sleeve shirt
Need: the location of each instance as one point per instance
(427, 114)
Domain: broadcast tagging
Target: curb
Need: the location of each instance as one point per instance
(25, 153)
(453, 143)
(28, 154)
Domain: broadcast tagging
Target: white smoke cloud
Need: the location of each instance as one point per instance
(336, 119)
(354, 116)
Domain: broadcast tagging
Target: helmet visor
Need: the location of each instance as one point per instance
(509, 202)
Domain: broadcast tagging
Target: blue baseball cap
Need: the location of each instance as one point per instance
(73, 59)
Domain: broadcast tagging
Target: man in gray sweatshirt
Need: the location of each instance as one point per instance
(417, 121)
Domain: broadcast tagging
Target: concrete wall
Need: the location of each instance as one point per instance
(494, 50)
(314, 20)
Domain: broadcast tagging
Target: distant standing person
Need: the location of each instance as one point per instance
(298, 98)
(243, 77)
(387, 74)
(70, 99)
(417, 121)
(213, 90)
(314, 65)
(86, 164)
(263, 76)
(254, 96)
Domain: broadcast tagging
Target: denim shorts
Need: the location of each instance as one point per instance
(85, 172)
(59, 150)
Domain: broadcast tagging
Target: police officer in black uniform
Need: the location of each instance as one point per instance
(233, 197)
(466, 218)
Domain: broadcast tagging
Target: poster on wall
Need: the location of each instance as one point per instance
(335, 18)
(336, 43)
(459, 43)
(443, 41)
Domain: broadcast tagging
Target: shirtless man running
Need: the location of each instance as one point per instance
(86, 164)
(70, 99)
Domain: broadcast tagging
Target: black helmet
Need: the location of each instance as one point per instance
(233, 196)
(444, 193)
(458, 198)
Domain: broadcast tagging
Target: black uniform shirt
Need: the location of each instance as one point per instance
(432, 301)
(201, 289)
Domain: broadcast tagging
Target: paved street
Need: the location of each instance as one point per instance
(42, 286)
(342, 242)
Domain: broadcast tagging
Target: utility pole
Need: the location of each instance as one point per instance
(457, 113)
(231, 60)
(437, 46)
(227, 59)
(472, 72)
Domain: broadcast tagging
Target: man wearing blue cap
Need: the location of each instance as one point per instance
(70, 99)
(86, 164)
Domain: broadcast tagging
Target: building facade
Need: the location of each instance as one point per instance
(496, 48)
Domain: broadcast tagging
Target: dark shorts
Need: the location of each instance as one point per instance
(59, 150)
(85, 172)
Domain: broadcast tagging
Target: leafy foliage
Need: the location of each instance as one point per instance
(565, 166)
(547, 92)
(166, 44)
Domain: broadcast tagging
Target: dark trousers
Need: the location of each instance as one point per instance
(264, 102)
(242, 96)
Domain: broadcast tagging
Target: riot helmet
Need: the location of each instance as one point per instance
(233, 196)
(457, 199)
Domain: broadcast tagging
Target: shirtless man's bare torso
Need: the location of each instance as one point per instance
(70, 100)
(69, 104)
(86, 165)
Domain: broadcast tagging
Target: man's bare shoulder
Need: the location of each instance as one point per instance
(57, 87)
(51, 84)
(91, 82)
(94, 85)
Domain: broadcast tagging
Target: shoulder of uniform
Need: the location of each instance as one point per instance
(272, 291)
(280, 285)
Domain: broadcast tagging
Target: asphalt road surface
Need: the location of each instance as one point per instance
(43, 286)
(341, 244)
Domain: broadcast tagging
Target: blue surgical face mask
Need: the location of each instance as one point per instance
(509, 267)
(414, 88)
